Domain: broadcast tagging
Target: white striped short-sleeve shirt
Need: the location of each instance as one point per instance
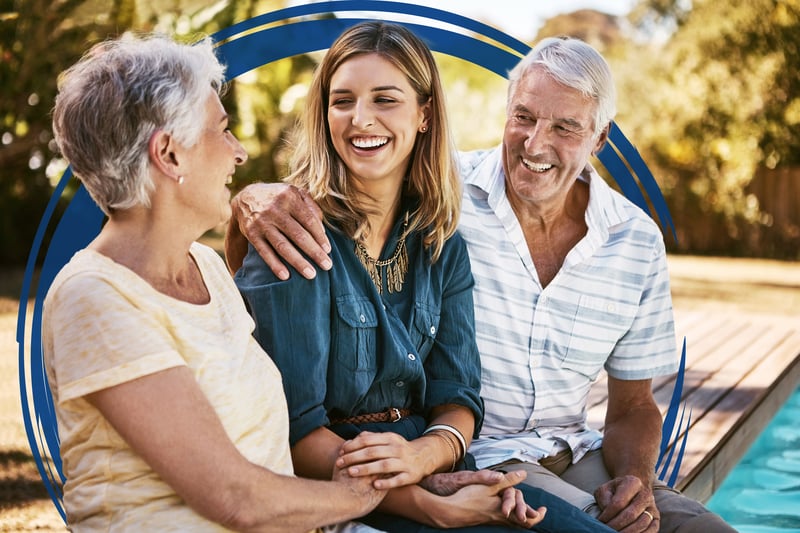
(609, 307)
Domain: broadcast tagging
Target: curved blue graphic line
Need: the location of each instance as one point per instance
(82, 219)
(648, 181)
(33, 441)
(668, 458)
(619, 170)
(373, 5)
(668, 426)
(677, 467)
(254, 50)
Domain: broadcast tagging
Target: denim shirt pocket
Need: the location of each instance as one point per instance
(599, 324)
(356, 333)
(426, 326)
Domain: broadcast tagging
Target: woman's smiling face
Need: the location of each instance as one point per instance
(374, 117)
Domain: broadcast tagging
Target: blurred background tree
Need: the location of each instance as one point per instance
(709, 91)
(711, 96)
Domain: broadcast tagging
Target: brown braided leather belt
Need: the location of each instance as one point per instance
(392, 414)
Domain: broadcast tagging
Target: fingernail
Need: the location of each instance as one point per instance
(309, 273)
(326, 247)
(327, 264)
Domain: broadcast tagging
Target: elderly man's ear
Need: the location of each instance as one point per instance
(601, 139)
(162, 152)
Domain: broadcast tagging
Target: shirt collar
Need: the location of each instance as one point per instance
(484, 169)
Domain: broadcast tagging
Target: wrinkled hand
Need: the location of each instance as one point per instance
(448, 483)
(628, 505)
(498, 503)
(277, 219)
(360, 489)
(397, 461)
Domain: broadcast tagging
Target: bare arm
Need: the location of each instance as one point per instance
(160, 416)
(630, 450)
(277, 219)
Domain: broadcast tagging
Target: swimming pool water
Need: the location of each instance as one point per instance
(762, 492)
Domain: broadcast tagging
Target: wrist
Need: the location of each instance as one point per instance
(454, 442)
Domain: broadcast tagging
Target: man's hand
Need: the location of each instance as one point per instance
(277, 219)
(482, 503)
(449, 483)
(628, 505)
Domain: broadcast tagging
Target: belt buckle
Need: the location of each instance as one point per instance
(394, 414)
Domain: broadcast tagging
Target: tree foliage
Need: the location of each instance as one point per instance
(711, 103)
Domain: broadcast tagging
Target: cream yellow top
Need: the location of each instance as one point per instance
(102, 326)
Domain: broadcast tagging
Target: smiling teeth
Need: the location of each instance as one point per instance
(369, 142)
(536, 167)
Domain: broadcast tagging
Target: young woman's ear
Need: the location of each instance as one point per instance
(426, 117)
(161, 150)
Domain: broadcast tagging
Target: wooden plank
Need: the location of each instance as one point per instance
(739, 370)
(705, 355)
(722, 436)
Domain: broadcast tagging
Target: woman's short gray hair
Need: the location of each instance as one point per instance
(573, 63)
(112, 101)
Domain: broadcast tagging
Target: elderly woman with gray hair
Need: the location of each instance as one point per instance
(148, 346)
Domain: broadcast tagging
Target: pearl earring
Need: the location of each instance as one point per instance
(423, 129)
(180, 180)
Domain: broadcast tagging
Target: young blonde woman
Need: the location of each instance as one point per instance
(378, 354)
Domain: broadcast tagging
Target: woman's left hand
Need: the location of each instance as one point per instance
(398, 461)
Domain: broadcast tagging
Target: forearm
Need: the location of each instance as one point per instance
(264, 501)
(314, 456)
(235, 246)
(631, 444)
(415, 503)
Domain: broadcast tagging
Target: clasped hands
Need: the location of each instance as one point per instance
(467, 497)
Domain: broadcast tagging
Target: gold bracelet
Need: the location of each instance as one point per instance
(449, 445)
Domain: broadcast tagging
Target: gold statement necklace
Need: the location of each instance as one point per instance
(394, 269)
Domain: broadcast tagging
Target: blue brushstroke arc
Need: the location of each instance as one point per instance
(368, 5)
(82, 219)
(669, 427)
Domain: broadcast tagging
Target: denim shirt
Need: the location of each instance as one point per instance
(344, 349)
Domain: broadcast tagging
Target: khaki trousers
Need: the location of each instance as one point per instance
(577, 483)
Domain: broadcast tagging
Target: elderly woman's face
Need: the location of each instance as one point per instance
(374, 118)
(212, 162)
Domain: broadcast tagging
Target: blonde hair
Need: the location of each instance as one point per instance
(433, 172)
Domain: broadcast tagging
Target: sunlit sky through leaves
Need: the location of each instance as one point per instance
(518, 18)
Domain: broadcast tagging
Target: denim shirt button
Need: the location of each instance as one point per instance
(412, 357)
(433, 330)
(362, 318)
(400, 383)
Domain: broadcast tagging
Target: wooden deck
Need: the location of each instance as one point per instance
(740, 368)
